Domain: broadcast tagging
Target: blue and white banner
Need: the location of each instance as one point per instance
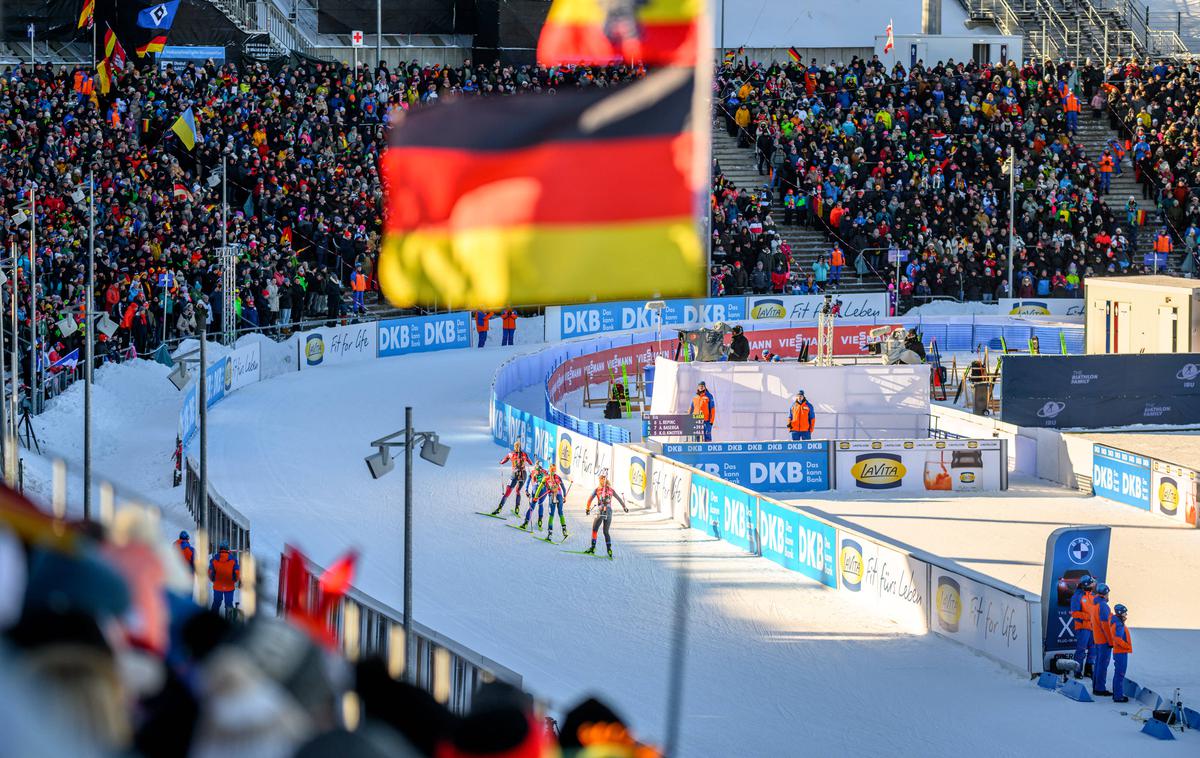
(339, 344)
(867, 306)
(725, 512)
(564, 322)
(215, 388)
(1121, 476)
(1071, 553)
(760, 466)
(797, 542)
(422, 334)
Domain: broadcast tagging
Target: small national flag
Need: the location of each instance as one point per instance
(182, 192)
(730, 55)
(155, 45)
(794, 54)
(185, 128)
(486, 218)
(87, 14)
(68, 361)
(159, 16)
(105, 77)
(602, 31)
(891, 40)
(286, 236)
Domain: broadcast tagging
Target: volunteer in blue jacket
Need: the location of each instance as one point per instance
(1122, 646)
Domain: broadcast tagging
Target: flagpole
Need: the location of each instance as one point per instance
(93, 43)
(33, 343)
(88, 352)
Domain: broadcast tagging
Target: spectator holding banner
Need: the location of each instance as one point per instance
(801, 418)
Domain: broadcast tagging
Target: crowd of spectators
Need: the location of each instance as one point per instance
(104, 652)
(914, 159)
(301, 146)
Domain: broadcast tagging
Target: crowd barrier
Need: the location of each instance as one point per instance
(958, 333)
(922, 591)
(1162, 488)
(364, 626)
(448, 670)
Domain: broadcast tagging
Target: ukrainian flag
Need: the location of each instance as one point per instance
(185, 128)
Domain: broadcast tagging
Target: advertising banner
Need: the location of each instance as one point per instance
(1121, 476)
(243, 366)
(341, 344)
(564, 322)
(421, 334)
(980, 617)
(725, 512)
(670, 490)
(1173, 492)
(925, 465)
(797, 542)
(631, 475)
(581, 460)
(1011, 306)
(214, 387)
(895, 584)
(1091, 391)
(848, 340)
(865, 306)
(1071, 552)
(603, 366)
(761, 466)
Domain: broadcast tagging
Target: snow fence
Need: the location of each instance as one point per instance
(917, 589)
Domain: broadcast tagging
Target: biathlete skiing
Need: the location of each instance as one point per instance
(519, 461)
(603, 496)
(550, 488)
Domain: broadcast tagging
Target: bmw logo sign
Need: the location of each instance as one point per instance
(1080, 551)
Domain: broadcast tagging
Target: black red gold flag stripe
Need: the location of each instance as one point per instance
(601, 31)
(545, 198)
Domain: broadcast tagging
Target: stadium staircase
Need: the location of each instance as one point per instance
(738, 165)
(1076, 30)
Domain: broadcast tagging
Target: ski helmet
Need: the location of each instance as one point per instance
(224, 545)
(1120, 610)
(553, 468)
(184, 536)
(1086, 581)
(1101, 589)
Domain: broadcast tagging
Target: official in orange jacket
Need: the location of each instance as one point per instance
(225, 573)
(1081, 602)
(483, 322)
(1071, 109)
(184, 546)
(801, 418)
(1122, 645)
(358, 285)
(1102, 633)
(508, 320)
(704, 407)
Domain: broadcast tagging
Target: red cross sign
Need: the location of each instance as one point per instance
(356, 38)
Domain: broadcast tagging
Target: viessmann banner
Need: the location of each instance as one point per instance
(925, 465)
(1090, 391)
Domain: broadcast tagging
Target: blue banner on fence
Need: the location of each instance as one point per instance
(725, 512)
(760, 466)
(597, 318)
(1121, 476)
(1071, 553)
(421, 334)
(188, 412)
(797, 542)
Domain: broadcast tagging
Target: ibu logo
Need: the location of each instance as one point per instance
(1051, 409)
(1080, 551)
(314, 350)
(1188, 374)
(851, 560)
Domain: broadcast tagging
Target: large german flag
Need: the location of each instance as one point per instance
(601, 31)
(545, 198)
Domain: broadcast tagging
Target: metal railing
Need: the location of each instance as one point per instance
(451, 672)
(223, 522)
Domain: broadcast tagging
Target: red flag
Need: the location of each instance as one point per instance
(891, 40)
(307, 606)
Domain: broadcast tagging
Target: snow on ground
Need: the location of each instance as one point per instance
(1153, 562)
(776, 664)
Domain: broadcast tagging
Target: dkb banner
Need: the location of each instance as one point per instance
(1071, 552)
(1090, 391)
